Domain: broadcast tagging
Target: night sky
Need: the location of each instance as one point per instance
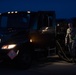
(63, 8)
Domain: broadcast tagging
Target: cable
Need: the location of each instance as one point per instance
(66, 58)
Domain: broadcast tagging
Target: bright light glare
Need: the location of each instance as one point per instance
(28, 12)
(12, 12)
(16, 12)
(57, 24)
(5, 47)
(9, 46)
(30, 40)
(46, 28)
(8, 12)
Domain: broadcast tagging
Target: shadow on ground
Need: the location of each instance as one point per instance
(42, 62)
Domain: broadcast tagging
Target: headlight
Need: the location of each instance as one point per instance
(8, 46)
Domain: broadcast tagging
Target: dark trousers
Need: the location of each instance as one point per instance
(72, 48)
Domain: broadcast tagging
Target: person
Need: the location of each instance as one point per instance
(70, 40)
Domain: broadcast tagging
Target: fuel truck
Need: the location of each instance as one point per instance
(27, 35)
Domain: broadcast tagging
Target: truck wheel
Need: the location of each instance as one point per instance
(25, 60)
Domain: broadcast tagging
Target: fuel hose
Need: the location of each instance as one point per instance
(62, 54)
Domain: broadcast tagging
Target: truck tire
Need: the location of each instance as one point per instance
(25, 60)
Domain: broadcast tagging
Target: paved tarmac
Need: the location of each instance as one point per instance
(51, 66)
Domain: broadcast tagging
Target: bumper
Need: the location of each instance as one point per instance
(8, 54)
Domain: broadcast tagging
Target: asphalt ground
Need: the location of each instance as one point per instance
(52, 65)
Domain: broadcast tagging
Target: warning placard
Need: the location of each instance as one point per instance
(12, 54)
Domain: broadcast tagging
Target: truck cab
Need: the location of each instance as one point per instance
(25, 35)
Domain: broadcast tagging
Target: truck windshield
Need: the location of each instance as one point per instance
(33, 20)
(14, 21)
